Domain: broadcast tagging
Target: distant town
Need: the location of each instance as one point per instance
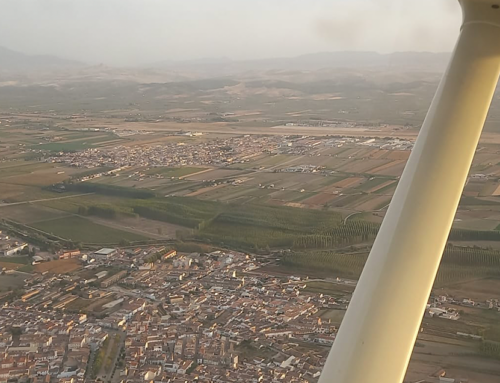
(214, 152)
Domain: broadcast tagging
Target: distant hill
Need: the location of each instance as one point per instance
(424, 61)
(399, 61)
(18, 62)
(345, 68)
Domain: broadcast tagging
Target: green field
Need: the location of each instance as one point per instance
(23, 260)
(472, 201)
(335, 316)
(375, 181)
(304, 195)
(247, 226)
(332, 289)
(82, 230)
(273, 160)
(73, 146)
(10, 282)
(22, 167)
(28, 213)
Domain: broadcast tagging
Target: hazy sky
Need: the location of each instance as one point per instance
(129, 32)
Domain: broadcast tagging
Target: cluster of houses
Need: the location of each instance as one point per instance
(212, 317)
(11, 246)
(189, 314)
(43, 346)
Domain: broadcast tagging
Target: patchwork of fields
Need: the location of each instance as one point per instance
(354, 181)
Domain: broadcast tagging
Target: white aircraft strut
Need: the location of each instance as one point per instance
(376, 339)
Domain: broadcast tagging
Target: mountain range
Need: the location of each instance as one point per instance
(13, 61)
(399, 61)
(19, 62)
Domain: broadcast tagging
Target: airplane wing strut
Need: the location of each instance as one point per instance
(376, 339)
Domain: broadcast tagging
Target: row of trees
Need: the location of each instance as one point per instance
(472, 256)
(490, 349)
(359, 231)
(99, 359)
(351, 233)
(474, 235)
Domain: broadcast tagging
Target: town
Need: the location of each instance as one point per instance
(155, 314)
(214, 152)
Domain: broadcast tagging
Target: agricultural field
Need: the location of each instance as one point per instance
(15, 168)
(175, 172)
(79, 229)
(320, 199)
(393, 168)
(214, 174)
(333, 316)
(270, 161)
(372, 204)
(81, 143)
(362, 180)
(476, 289)
(60, 266)
(374, 184)
(33, 173)
(478, 217)
(249, 219)
(12, 193)
(328, 287)
(10, 282)
(18, 263)
(29, 213)
(221, 205)
(6, 265)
